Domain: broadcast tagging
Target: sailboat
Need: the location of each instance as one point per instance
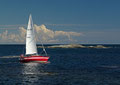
(31, 54)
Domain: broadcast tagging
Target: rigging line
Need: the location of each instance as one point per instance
(43, 47)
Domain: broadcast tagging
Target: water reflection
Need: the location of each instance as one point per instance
(30, 73)
(33, 73)
(30, 68)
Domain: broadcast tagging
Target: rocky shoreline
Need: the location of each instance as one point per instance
(74, 46)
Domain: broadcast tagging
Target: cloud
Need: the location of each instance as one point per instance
(78, 25)
(10, 37)
(50, 36)
(42, 34)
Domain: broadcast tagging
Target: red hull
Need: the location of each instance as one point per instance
(36, 58)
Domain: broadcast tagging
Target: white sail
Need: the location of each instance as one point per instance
(30, 38)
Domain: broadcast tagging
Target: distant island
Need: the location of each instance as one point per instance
(74, 46)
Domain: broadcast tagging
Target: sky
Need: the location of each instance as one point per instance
(61, 21)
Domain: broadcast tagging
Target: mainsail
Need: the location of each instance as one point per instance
(30, 38)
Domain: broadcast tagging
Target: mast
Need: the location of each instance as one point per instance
(31, 47)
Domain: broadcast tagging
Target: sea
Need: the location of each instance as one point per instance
(66, 66)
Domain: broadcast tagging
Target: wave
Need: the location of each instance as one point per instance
(74, 46)
(112, 67)
(41, 73)
(10, 57)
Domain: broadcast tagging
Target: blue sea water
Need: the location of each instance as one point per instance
(68, 66)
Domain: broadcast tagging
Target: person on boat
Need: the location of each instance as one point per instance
(22, 55)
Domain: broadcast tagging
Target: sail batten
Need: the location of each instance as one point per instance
(30, 38)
